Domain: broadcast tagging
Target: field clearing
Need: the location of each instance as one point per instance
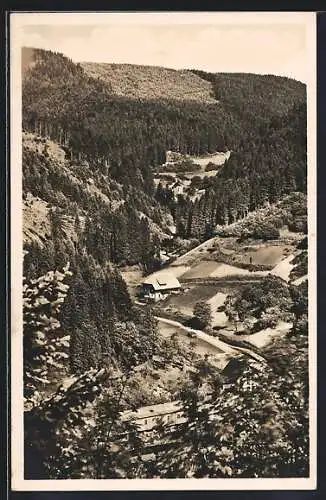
(206, 269)
(151, 82)
(283, 269)
(176, 271)
(286, 233)
(186, 301)
(262, 254)
(268, 255)
(199, 173)
(217, 158)
(194, 256)
(202, 270)
(202, 259)
(218, 318)
(265, 337)
(224, 270)
(198, 345)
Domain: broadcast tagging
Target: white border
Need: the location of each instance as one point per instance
(17, 406)
(312, 239)
(17, 20)
(168, 17)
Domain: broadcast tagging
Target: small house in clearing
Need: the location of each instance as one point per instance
(158, 285)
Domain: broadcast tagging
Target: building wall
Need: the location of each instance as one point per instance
(147, 423)
(156, 295)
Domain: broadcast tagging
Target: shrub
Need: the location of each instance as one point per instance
(298, 225)
(266, 232)
(202, 314)
(196, 181)
(182, 166)
(210, 166)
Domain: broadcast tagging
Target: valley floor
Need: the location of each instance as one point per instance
(203, 277)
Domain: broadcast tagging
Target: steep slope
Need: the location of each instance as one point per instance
(81, 195)
(72, 213)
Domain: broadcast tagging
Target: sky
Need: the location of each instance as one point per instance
(265, 44)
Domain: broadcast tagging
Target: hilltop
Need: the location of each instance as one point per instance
(151, 82)
(260, 118)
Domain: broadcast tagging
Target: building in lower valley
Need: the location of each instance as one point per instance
(149, 417)
(158, 285)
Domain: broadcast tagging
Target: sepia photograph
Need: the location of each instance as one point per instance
(163, 247)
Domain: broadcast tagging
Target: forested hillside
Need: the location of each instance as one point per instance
(90, 147)
(73, 214)
(261, 119)
(151, 82)
(61, 100)
(94, 138)
(93, 168)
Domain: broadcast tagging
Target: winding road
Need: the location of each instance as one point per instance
(213, 341)
(220, 345)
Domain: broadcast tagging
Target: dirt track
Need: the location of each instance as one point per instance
(214, 341)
